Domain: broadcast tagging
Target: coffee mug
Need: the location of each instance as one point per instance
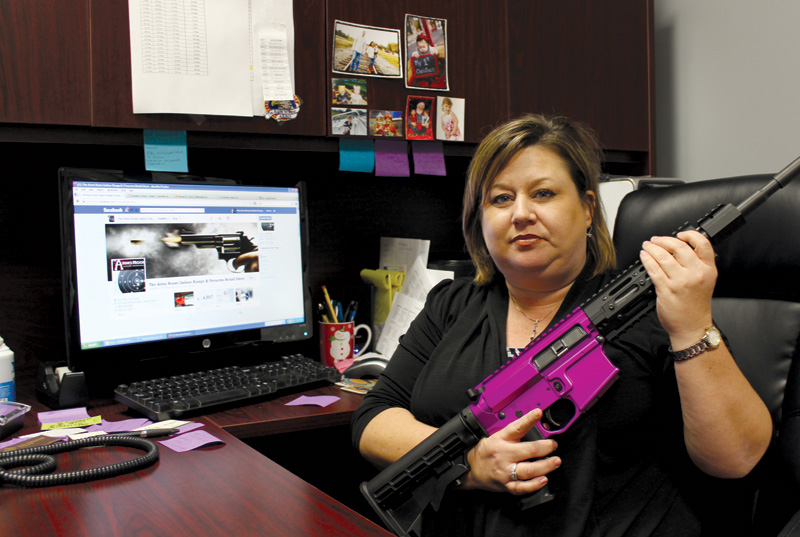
(336, 342)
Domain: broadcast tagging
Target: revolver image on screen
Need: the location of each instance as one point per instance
(229, 246)
(563, 372)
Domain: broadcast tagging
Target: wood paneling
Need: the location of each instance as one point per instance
(590, 61)
(44, 62)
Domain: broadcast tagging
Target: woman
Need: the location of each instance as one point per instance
(534, 229)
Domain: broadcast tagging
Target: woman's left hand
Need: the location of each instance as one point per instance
(684, 273)
(727, 427)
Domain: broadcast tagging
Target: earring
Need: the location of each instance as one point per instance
(589, 233)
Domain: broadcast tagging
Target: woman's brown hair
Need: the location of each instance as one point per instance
(575, 143)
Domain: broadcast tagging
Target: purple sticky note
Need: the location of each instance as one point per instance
(121, 426)
(391, 158)
(428, 158)
(190, 427)
(59, 416)
(190, 441)
(9, 443)
(317, 400)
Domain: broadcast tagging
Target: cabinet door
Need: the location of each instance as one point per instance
(44, 62)
(112, 104)
(477, 54)
(590, 61)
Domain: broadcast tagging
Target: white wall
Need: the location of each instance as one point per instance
(727, 87)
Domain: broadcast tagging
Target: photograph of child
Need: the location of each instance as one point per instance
(450, 112)
(419, 120)
(366, 50)
(426, 50)
(348, 121)
(349, 91)
(386, 123)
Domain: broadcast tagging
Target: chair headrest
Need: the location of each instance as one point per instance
(760, 260)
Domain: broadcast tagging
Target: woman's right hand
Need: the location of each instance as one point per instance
(496, 459)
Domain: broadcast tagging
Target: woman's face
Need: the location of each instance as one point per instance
(534, 222)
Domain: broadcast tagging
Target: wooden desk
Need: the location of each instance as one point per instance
(214, 491)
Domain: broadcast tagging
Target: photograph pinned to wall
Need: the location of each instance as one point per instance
(350, 91)
(386, 123)
(450, 125)
(426, 50)
(419, 118)
(349, 121)
(366, 50)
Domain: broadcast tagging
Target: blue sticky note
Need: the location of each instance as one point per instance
(428, 158)
(391, 158)
(165, 151)
(356, 155)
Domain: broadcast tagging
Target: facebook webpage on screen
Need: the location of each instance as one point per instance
(158, 261)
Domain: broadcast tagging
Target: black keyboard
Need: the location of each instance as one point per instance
(171, 397)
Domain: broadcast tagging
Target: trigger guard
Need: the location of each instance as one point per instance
(555, 423)
(233, 269)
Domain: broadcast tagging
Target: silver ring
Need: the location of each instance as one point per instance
(514, 472)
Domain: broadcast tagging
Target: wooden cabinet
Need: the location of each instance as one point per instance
(44, 62)
(588, 60)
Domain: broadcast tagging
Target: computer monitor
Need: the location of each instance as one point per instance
(173, 267)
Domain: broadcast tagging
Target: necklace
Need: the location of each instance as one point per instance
(534, 321)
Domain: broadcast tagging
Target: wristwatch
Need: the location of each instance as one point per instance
(711, 340)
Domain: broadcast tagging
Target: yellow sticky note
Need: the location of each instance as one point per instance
(85, 422)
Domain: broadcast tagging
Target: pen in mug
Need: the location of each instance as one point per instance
(322, 314)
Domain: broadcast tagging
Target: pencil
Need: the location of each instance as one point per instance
(330, 306)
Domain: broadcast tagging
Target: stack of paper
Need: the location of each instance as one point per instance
(409, 256)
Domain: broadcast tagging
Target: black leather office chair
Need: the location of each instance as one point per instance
(756, 304)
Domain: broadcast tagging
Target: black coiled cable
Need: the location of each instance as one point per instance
(39, 460)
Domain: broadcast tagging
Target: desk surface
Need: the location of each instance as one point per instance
(274, 417)
(222, 490)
